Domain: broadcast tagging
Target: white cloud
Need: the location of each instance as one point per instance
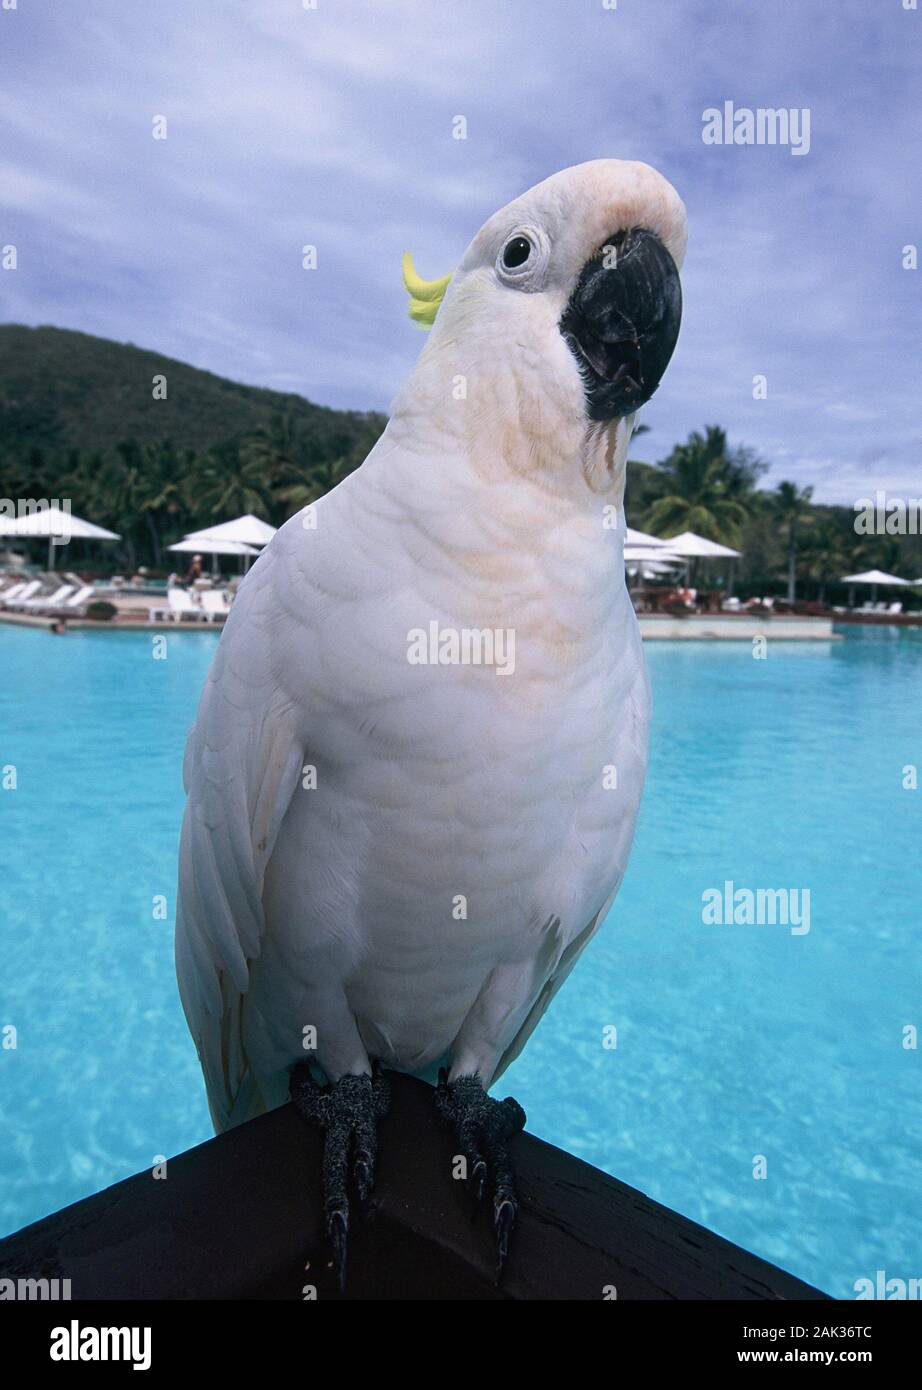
(333, 127)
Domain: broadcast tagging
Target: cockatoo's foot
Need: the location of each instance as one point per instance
(483, 1127)
(348, 1113)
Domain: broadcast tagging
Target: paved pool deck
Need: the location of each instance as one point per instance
(654, 627)
(739, 627)
(133, 615)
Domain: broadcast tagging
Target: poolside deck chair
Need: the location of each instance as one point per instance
(39, 604)
(895, 607)
(215, 604)
(82, 596)
(74, 605)
(183, 605)
(27, 591)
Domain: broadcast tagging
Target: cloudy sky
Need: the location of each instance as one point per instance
(333, 126)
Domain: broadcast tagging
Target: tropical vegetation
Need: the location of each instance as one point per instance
(84, 418)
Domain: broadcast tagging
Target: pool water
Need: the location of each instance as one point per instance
(741, 1049)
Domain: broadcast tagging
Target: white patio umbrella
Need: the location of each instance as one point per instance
(649, 568)
(248, 529)
(872, 577)
(650, 560)
(632, 537)
(203, 545)
(651, 552)
(57, 525)
(191, 546)
(691, 546)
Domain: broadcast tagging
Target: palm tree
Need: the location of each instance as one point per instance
(110, 488)
(297, 466)
(224, 483)
(826, 556)
(878, 553)
(314, 484)
(791, 505)
(161, 492)
(704, 487)
(279, 451)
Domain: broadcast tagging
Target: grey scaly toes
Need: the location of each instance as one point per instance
(348, 1113)
(484, 1126)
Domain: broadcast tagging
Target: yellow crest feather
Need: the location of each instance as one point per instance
(425, 295)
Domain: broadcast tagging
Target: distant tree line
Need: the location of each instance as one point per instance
(154, 493)
(791, 546)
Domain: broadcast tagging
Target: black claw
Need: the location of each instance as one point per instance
(338, 1231)
(347, 1113)
(504, 1214)
(364, 1173)
(483, 1126)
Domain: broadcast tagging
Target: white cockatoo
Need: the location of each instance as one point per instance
(417, 762)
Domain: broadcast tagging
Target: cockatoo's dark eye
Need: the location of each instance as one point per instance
(516, 252)
(522, 259)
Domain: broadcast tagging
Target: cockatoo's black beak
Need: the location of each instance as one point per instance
(622, 322)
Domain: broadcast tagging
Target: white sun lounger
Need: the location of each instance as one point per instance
(24, 595)
(81, 597)
(183, 605)
(37, 605)
(76, 603)
(13, 591)
(215, 604)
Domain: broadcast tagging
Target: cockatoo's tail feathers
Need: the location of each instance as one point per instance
(425, 295)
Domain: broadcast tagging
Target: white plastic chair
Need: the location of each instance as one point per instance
(37, 605)
(13, 591)
(214, 602)
(77, 601)
(28, 590)
(182, 605)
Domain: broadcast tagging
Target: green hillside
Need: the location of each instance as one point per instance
(78, 419)
(62, 390)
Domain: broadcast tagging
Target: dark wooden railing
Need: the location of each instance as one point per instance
(239, 1218)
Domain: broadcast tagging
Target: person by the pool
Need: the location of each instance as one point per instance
(194, 572)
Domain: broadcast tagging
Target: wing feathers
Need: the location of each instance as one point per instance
(241, 768)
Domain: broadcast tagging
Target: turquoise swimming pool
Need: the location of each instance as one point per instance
(740, 1048)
